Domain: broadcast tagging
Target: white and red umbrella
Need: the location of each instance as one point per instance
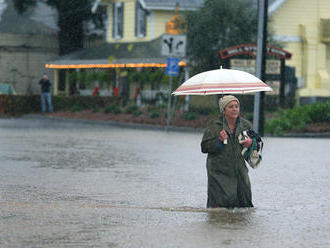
(222, 81)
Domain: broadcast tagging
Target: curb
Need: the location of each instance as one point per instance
(301, 135)
(162, 128)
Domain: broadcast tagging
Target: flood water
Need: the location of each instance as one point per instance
(70, 184)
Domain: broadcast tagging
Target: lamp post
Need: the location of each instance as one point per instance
(259, 115)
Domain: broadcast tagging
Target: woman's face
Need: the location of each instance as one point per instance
(232, 110)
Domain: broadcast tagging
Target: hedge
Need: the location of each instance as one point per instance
(13, 105)
(298, 118)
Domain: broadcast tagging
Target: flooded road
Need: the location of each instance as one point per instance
(70, 184)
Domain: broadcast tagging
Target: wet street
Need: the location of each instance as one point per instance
(71, 184)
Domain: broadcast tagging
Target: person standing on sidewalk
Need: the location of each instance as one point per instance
(46, 94)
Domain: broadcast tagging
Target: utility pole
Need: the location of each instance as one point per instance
(259, 97)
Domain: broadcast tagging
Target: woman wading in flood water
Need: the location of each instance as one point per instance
(228, 179)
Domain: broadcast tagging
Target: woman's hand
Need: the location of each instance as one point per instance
(247, 142)
(223, 135)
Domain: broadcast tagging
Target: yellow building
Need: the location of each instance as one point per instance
(141, 20)
(135, 29)
(303, 27)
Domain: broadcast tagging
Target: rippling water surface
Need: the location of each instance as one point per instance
(70, 184)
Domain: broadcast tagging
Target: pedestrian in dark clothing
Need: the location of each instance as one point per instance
(228, 180)
(46, 94)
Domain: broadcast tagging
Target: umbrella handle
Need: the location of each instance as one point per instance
(225, 141)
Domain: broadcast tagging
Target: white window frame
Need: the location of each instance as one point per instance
(140, 20)
(118, 20)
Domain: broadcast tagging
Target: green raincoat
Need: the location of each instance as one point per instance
(228, 180)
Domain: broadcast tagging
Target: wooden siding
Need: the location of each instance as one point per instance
(160, 19)
(155, 23)
(301, 18)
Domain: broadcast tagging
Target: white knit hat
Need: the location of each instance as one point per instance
(223, 101)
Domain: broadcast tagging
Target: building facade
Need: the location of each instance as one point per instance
(141, 20)
(303, 27)
(300, 26)
(26, 42)
(133, 38)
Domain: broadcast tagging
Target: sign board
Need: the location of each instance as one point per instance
(273, 66)
(251, 50)
(173, 45)
(172, 67)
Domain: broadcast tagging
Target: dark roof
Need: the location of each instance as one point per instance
(116, 53)
(170, 4)
(184, 4)
(38, 20)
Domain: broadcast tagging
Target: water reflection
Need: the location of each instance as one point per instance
(233, 218)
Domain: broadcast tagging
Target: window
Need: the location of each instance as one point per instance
(140, 20)
(118, 20)
(325, 30)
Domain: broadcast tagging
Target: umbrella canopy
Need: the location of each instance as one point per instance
(222, 81)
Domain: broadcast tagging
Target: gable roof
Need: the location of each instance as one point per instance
(171, 4)
(126, 54)
(273, 5)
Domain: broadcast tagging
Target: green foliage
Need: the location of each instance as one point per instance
(154, 114)
(75, 108)
(82, 79)
(113, 108)
(217, 25)
(319, 112)
(84, 102)
(95, 109)
(13, 105)
(151, 108)
(131, 109)
(204, 110)
(150, 76)
(137, 113)
(298, 118)
(191, 116)
(248, 116)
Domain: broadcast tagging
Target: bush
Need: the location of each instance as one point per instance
(137, 113)
(298, 118)
(203, 110)
(154, 114)
(191, 116)
(84, 102)
(248, 116)
(75, 108)
(117, 110)
(131, 109)
(113, 108)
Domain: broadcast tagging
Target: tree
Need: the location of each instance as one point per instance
(71, 17)
(216, 25)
